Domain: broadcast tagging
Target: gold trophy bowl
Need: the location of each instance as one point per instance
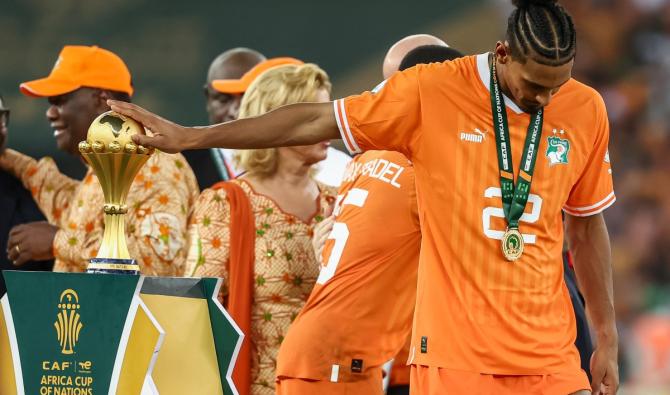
(115, 160)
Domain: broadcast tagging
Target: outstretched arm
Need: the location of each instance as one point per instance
(590, 245)
(295, 124)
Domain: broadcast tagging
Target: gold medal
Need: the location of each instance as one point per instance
(514, 194)
(512, 244)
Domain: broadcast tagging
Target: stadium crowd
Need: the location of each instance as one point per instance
(635, 87)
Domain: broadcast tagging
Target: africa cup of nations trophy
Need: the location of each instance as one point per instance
(116, 160)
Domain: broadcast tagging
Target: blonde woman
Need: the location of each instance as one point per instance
(255, 231)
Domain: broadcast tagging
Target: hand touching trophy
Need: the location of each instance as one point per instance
(116, 160)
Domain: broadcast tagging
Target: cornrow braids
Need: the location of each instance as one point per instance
(543, 31)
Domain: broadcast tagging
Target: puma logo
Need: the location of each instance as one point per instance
(477, 137)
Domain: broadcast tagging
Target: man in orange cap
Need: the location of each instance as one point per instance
(329, 172)
(81, 81)
(231, 65)
(211, 166)
(226, 86)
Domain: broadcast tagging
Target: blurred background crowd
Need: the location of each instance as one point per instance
(623, 52)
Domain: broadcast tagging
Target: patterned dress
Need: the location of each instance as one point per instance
(159, 201)
(285, 267)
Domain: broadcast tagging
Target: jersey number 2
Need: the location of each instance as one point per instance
(530, 218)
(340, 233)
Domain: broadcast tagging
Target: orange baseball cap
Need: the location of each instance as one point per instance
(81, 66)
(240, 86)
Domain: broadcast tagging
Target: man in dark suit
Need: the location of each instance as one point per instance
(210, 166)
(16, 207)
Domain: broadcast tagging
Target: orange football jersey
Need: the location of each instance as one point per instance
(476, 311)
(359, 313)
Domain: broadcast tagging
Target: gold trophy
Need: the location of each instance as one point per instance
(115, 159)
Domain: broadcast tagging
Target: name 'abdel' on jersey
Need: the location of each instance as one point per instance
(381, 169)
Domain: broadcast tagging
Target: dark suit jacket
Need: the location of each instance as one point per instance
(16, 207)
(203, 166)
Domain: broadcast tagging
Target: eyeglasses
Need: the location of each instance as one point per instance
(4, 116)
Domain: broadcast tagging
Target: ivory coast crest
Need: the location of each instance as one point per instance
(557, 150)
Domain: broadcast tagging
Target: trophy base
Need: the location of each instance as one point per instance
(113, 266)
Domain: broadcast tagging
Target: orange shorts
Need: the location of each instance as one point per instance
(426, 380)
(369, 385)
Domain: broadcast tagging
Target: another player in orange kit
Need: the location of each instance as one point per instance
(358, 315)
(502, 144)
(369, 282)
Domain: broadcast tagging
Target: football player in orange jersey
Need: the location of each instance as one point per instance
(368, 282)
(492, 313)
(435, 51)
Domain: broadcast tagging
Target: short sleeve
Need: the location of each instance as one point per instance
(594, 190)
(387, 118)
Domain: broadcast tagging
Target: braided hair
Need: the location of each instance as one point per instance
(543, 31)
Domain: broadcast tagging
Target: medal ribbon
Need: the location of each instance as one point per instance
(514, 198)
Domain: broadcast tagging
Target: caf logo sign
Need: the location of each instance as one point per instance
(68, 323)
